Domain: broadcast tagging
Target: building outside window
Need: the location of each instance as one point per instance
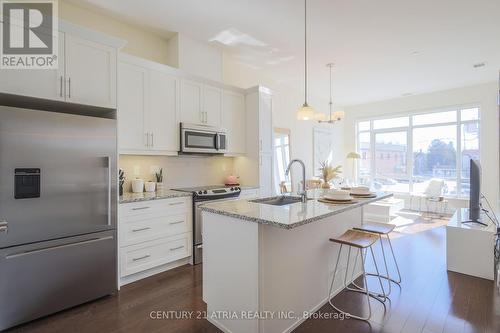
(401, 154)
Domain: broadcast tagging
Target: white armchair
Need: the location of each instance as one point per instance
(432, 192)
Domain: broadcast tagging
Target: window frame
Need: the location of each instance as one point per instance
(409, 130)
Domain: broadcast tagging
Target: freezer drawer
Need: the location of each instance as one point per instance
(43, 278)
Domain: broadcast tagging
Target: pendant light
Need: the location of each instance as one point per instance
(333, 116)
(305, 112)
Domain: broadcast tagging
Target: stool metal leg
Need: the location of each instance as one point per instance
(378, 296)
(395, 261)
(365, 291)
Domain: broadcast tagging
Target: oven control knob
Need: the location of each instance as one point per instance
(232, 188)
(200, 192)
(237, 188)
(205, 192)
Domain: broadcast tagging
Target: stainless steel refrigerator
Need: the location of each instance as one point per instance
(57, 212)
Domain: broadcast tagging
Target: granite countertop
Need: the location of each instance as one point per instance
(287, 216)
(146, 196)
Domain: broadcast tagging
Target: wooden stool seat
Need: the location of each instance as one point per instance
(377, 228)
(356, 238)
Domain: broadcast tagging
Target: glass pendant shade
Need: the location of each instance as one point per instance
(320, 116)
(305, 113)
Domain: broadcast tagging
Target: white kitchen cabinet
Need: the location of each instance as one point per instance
(234, 121)
(200, 103)
(132, 107)
(148, 108)
(161, 117)
(266, 175)
(86, 71)
(257, 168)
(266, 124)
(40, 83)
(212, 106)
(90, 72)
(153, 236)
(192, 102)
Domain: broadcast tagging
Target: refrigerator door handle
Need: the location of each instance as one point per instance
(51, 248)
(108, 166)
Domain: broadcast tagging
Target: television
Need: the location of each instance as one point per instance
(475, 193)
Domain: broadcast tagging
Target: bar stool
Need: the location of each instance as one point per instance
(361, 241)
(382, 229)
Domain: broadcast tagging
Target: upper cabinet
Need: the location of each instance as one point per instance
(234, 121)
(212, 105)
(192, 102)
(90, 72)
(148, 107)
(86, 71)
(200, 103)
(40, 83)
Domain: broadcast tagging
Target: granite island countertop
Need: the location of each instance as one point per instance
(287, 216)
(129, 197)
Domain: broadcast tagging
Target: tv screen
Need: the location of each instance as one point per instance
(475, 190)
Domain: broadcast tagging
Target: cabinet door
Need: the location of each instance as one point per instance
(212, 106)
(266, 174)
(90, 73)
(234, 121)
(41, 83)
(162, 113)
(266, 124)
(191, 102)
(131, 108)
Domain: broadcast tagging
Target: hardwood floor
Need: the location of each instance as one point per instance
(430, 300)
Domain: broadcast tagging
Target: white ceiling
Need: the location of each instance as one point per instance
(382, 49)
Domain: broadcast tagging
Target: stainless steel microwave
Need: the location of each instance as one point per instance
(201, 139)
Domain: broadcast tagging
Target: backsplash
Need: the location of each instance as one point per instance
(178, 171)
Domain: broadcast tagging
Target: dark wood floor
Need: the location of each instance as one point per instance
(430, 300)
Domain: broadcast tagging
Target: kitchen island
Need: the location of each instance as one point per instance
(266, 267)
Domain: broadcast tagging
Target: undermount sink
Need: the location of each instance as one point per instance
(278, 201)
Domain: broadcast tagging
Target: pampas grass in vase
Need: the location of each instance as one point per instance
(328, 172)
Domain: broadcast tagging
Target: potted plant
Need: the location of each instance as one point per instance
(159, 180)
(328, 172)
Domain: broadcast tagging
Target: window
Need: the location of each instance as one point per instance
(409, 151)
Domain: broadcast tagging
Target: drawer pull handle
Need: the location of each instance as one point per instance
(140, 208)
(141, 229)
(177, 248)
(141, 258)
(177, 222)
(176, 203)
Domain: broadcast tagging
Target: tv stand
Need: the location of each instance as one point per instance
(475, 221)
(469, 245)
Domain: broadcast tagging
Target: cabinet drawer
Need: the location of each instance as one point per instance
(153, 228)
(161, 207)
(140, 257)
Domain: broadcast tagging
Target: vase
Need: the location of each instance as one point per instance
(325, 186)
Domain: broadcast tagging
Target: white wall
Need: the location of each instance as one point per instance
(286, 101)
(195, 57)
(485, 95)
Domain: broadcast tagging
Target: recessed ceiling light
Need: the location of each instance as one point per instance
(479, 65)
(406, 94)
(415, 53)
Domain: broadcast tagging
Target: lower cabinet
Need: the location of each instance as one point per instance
(152, 235)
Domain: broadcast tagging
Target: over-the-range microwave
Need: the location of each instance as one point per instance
(202, 139)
